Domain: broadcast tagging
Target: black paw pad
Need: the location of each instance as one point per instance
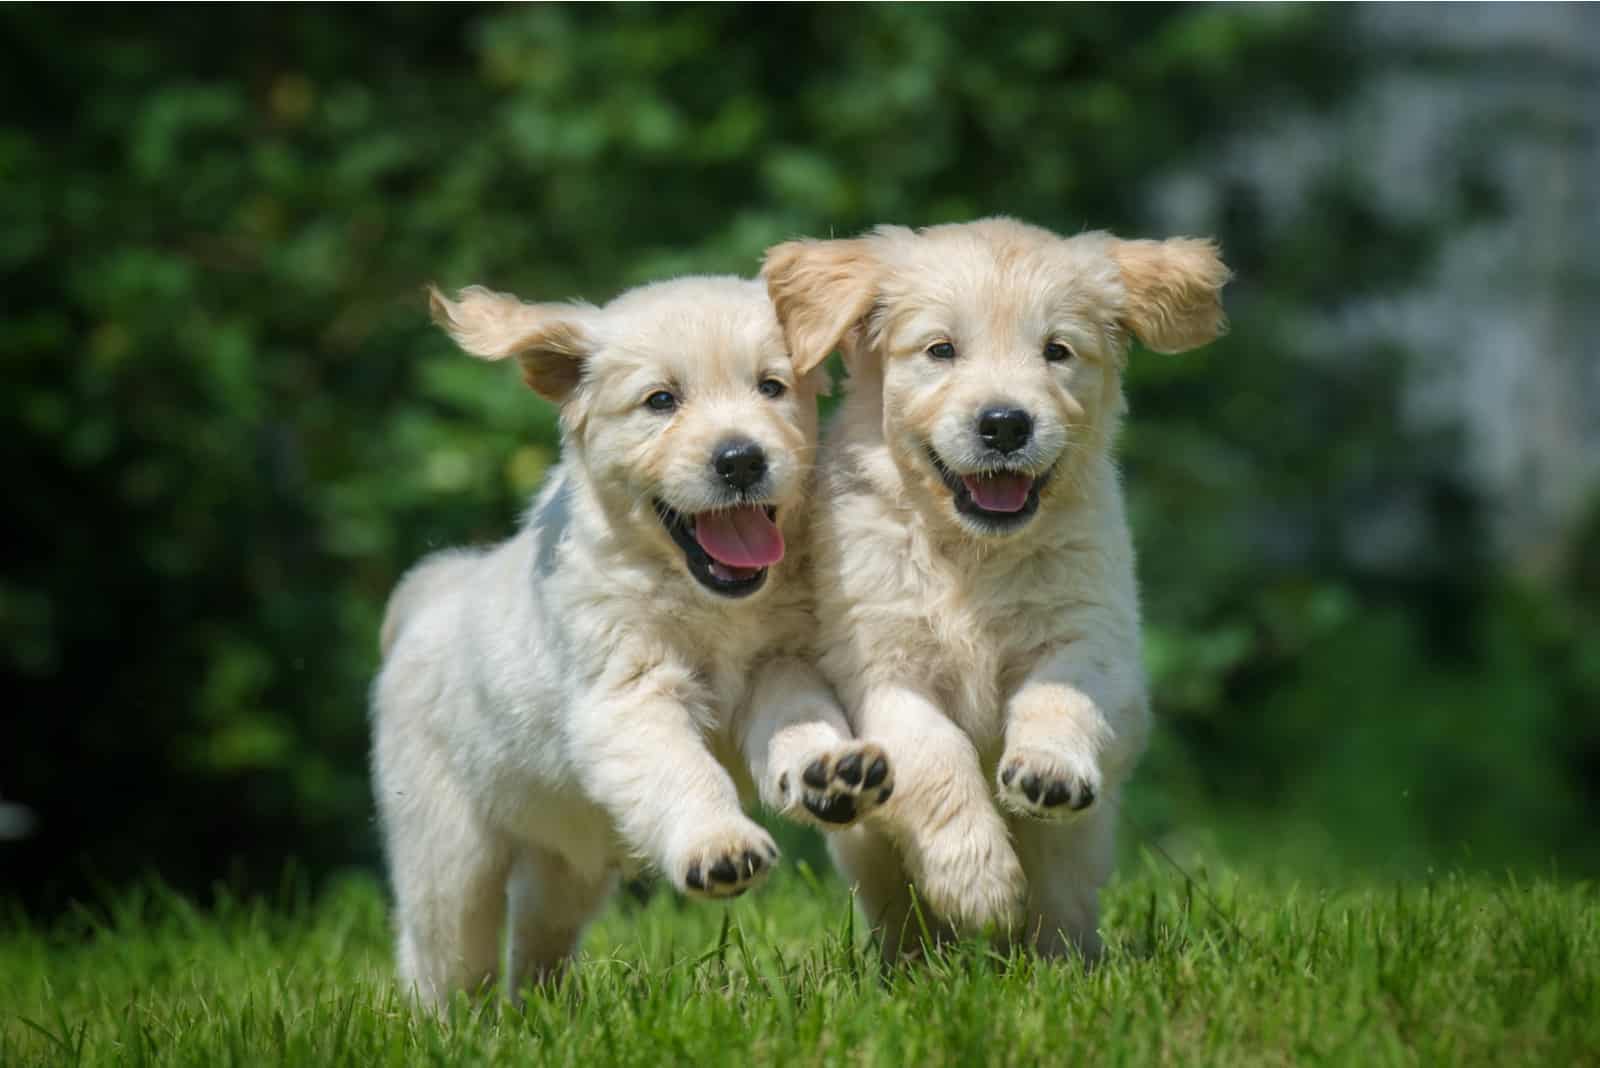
(1052, 792)
(840, 809)
(1031, 787)
(849, 769)
(877, 772)
(816, 774)
(692, 879)
(884, 794)
(751, 863)
(723, 871)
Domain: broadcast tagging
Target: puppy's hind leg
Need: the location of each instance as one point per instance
(549, 903)
(872, 866)
(1067, 864)
(449, 874)
(451, 910)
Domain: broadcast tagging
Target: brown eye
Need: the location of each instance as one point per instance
(942, 350)
(661, 401)
(1055, 352)
(772, 387)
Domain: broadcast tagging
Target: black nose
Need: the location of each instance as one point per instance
(1005, 429)
(740, 462)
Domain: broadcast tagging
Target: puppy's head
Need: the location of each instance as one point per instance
(997, 347)
(679, 402)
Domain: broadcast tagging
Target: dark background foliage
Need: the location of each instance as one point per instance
(228, 427)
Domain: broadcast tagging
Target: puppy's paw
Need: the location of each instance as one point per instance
(726, 862)
(836, 787)
(969, 876)
(1046, 786)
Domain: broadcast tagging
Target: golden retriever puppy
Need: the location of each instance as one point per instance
(600, 690)
(975, 578)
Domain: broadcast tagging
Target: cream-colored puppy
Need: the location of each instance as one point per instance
(975, 576)
(600, 690)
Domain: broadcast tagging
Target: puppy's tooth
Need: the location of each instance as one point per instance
(849, 769)
(877, 772)
(816, 773)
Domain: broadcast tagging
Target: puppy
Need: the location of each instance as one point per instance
(975, 577)
(598, 691)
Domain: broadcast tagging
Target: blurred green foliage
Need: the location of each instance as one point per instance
(229, 428)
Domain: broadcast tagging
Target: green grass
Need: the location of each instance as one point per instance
(1236, 972)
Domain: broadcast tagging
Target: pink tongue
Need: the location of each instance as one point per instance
(999, 493)
(743, 537)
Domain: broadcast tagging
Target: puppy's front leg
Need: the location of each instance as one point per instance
(1073, 731)
(801, 755)
(954, 842)
(640, 754)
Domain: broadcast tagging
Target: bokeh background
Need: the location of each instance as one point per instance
(1368, 518)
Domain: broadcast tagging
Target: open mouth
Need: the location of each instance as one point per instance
(728, 550)
(999, 500)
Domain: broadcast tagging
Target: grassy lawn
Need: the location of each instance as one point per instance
(1456, 971)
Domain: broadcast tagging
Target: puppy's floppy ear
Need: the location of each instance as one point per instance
(820, 289)
(550, 341)
(1174, 291)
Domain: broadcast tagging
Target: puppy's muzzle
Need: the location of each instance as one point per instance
(996, 487)
(730, 546)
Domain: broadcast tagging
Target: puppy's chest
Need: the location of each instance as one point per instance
(971, 655)
(725, 651)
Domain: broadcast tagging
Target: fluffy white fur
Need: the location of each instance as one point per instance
(572, 703)
(999, 668)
